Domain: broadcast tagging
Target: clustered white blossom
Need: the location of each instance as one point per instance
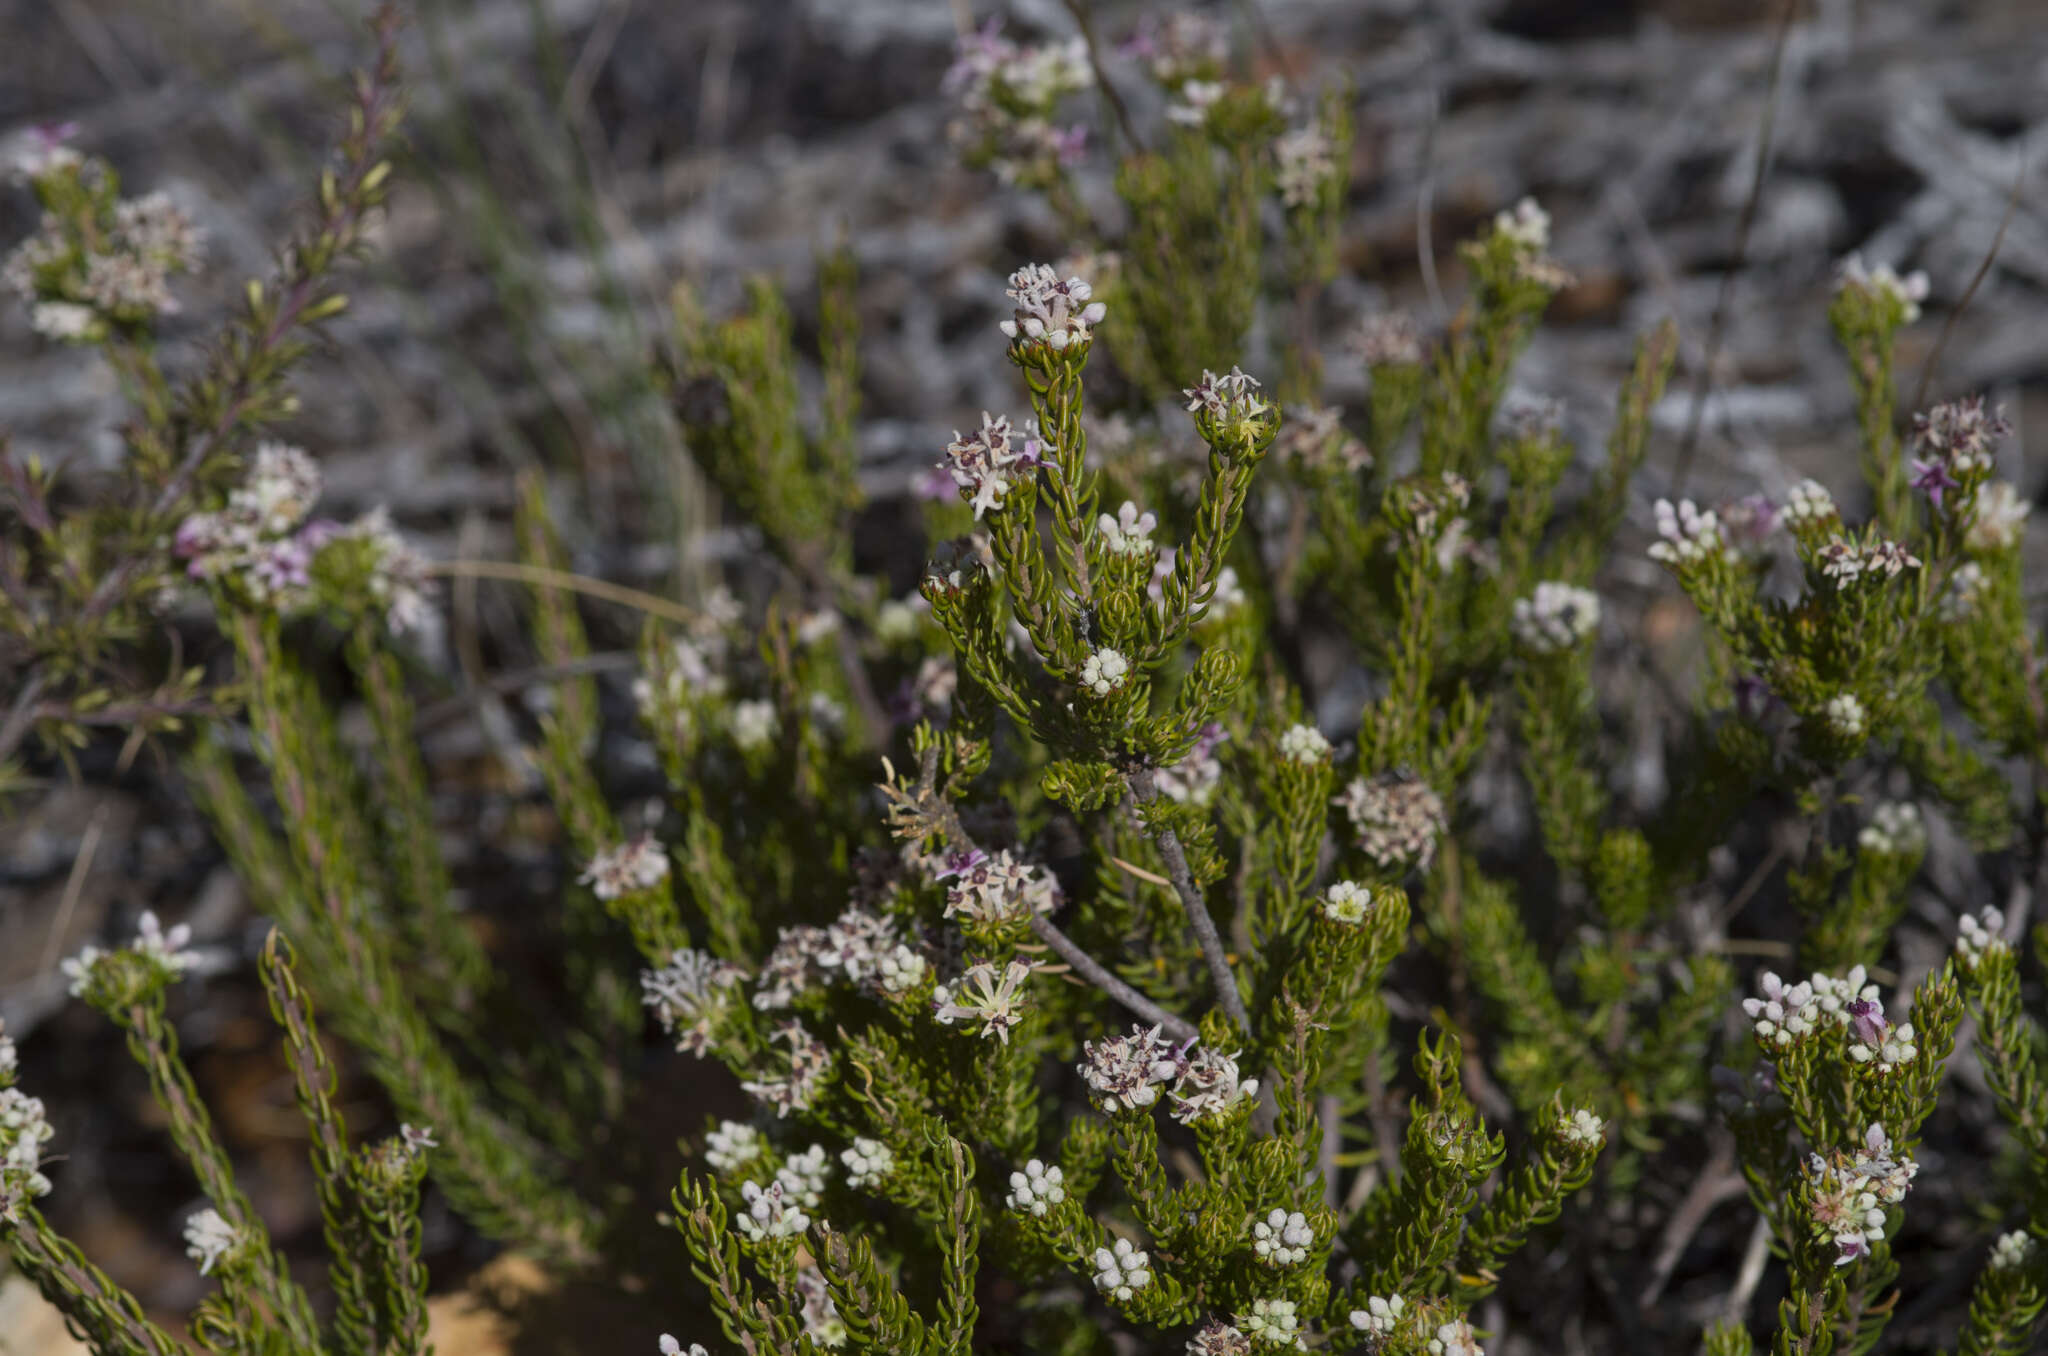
(809, 1063)
(1104, 671)
(1843, 562)
(1388, 339)
(1272, 1323)
(1128, 1071)
(1121, 1271)
(1785, 1013)
(640, 864)
(1129, 533)
(1346, 901)
(1960, 436)
(1007, 93)
(1218, 1338)
(1809, 504)
(1966, 585)
(987, 463)
(1282, 1238)
(1884, 280)
(209, 1238)
(121, 273)
(990, 998)
(168, 951)
(2001, 517)
(752, 724)
(999, 887)
(1687, 535)
(1455, 1338)
(803, 1177)
(1209, 1085)
(1844, 715)
(1050, 311)
(791, 967)
(1558, 617)
(1314, 437)
(1195, 778)
(1304, 744)
(732, 1145)
(24, 1129)
(1584, 1129)
(1197, 97)
(1380, 1316)
(769, 1215)
(2012, 1251)
(1181, 47)
(1037, 1188)
(1230, 398)
(671, 1347)
(1874, 1041)
(1397, 819)
(1851, 1191)
(900, 969)
(1528, 225)
(1979, 935)
(1836, 996)
(1304, 160)
(1895, 829)
(867, 1163)
(691, 996)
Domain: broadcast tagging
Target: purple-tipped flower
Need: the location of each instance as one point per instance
(1867, 1023)
(1932, 479)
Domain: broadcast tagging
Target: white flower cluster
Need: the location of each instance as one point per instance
(1687, 535)
(1583, 1129)
(1346, 901)
(803, 1177)
(690, 996)
(753, 724)
(209, 1239)
(868, 1162)
(1785, 1013)
(1304, 744)
(1836, 997)
(1844, 716)
(768, 1214)
(122, 273)
(1966, 585)
(2013, 1251)
(1121, 1271)
(985, 996)
(671, 1347)
(1197, 97)
(1104, 671)
(24, 1129)
(732, 1145)
(627, 868)
(1006, 94)
(40, 150)
(2001, 518)
(1962, 434)
(987, 463)
(1036, 1189)
(1231, 398)
(398, 581)
(1875, 1042)
(1454, 1339)
(1528, 225)
(253, 540)
(791, 967)
(168, 951)
(1380, 1316)
(1273, 1323)
(1884, 280)
(685, 673)
(1183, 46)
(1809, 504)
(1209, 1085)
(809, 1063)
(1895, 829)
(1128, 1071)
(1979, 935)
(1388, 339)
(1851, 1191)
(1314, 437)
(1129, 533)
(1282, 1238)
(1556, 618)
(1303, 161)
(1049, 311)
(1398, 819)
(1196, 777)
(1843, 562)
(998, 888)
(1217, 1338)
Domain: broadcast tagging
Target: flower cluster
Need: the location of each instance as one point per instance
(1181, 47)
(24, 1129)
(985, 464)
(809, 1065)
(1209, 1085)
(1849, 1193)
(1388, 339)
(1843, 562)
(1687, 535)
(168, 953)
(984, 995)
(1380, 1316)
(1217, 1338)
(732, 1145)
(1884, 283)
(1810, 505)
(1128, 1071)
(1874, 1041)
(1037, 1188)
(2013, 1251)
(1397, 818)
(1007, 95)
(1582, 1129)
(1129, 533)
(1304, 744)
(1303, 161)
(1959, 439)
(1979, 935)
(769, 1214)
(2001, 517)
(1104, 671)
(996, 888)
(1347, 901)
(101, 261)
(1556, 618)
(803, 1177)
(1785, 1013)
(210, 1239)
(1895, 829)
(1273, 1323)
(615, 872)
(1121, 1271)
(1282, 1238)
(1051, 313)
(1315, 439)
(1227, 400)
(690, 996)
(1844, 716)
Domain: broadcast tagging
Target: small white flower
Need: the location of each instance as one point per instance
(1687, 535)
(1528, 225)
(1454, 1339)
(803, 1176)
(1785, 1013)
(2001, 518)
(899, 620)
(1304, 744)
(768, 1215)
(640, 864)
(690, 996)
(733, 1145)
(1272, 1323)
(209, 1238)
(900, 970)
(1129, 533)
(1558, 617)
(168, 949)
(1282, 1238)
(1979, 935)
(753, 725)
(1584, 1129)
(1128, 1071)
(1049, 311)
(1104, 671)
(1037, 1188)
(1895, 829)
(2012, 1251)
(65, 320)
(1121, 1271)
(1845, 717)
(78, 969)
(1347, 901)
(415, 1140)
(1197, 98)
(1303, 160)
(867, 1163)
(1380, 1316)
(671, 1347)
(982, 995)
(1884, 280)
